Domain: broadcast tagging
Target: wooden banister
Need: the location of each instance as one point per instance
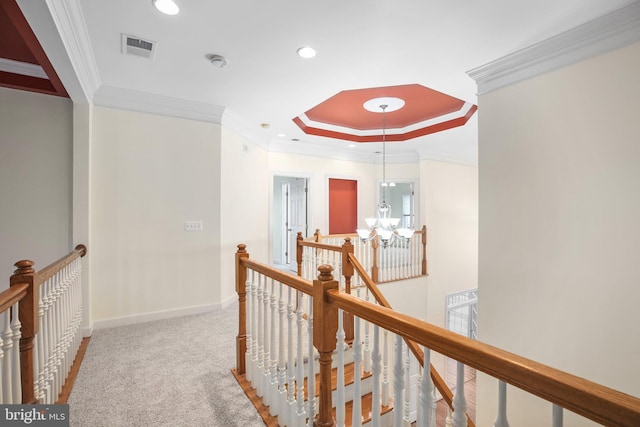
(295, 282)
(10, 296)
(424, 250)
(46, 273)
(586, 398)
(438, 381)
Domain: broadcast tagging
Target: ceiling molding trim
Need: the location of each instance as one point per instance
(612, 31)
(69, 20)
(126, 99)
(234, 122)
(22, 68)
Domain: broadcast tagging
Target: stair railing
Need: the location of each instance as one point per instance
(399, 261)
(437, 379)
(325, 303)
(40, 329)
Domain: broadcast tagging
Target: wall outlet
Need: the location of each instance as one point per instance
(193, 226)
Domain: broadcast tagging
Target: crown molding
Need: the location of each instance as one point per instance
(69, 20)
(144, 102)
(612, 31)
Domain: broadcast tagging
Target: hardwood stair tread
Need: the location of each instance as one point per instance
(349, 379)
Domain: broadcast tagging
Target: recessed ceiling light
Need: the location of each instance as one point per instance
(168, 7)
(352, 145)
(281, 135)
(306, 52)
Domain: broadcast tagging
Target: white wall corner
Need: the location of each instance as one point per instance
(612, 31)
(144, 102)
(234, 122)
(69, 20)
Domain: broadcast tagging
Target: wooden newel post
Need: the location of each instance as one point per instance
(299, 248)
(347, 272)
(424, 250)
(28, 309)
(325, 326)
(241, 289)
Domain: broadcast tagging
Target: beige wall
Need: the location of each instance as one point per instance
(559, 225)
(36, 152)
(450, 211)
(149, 175)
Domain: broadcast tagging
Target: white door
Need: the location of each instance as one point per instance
(296, 217)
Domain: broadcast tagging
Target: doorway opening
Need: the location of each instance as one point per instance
(290, 216)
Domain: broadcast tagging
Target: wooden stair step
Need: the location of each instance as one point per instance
(349, 378)
(366, 409)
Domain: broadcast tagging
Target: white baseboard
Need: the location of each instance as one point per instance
(157, 315)
(229, 301)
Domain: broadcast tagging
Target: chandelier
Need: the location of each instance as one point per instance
(383, 227)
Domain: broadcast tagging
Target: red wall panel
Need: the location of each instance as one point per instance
(343, 206)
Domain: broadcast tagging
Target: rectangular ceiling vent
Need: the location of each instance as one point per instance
(132, 45)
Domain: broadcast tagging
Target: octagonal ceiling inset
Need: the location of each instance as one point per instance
(425, 111)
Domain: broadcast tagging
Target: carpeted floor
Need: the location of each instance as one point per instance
(173, 372)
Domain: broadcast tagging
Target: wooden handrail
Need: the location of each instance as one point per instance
(48, 272)
(10, 296)
(438, 381)
(325, 246)
(591, 400)
(295, 282)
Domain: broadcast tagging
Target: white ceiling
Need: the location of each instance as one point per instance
(360, 44)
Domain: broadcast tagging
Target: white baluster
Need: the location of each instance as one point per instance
(266, 375)
(6, 343)
(376, 369)
(407, 387)
(249, 331)
(311, 375)
(291, 376)
(39, 348)
(557, 414)
(356, 416)
(459, 401)
(367, 350)
(299, 366)
(385, 369)
(254, 328)
(16, 328)
(502, 421)
(398, 383)
(340, 398)
(425, 408)
(261, 338)
(273, 363)
(282, 373)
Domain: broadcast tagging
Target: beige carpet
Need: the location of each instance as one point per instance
(173, 372)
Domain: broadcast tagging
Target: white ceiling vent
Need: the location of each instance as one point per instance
(132, 45)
